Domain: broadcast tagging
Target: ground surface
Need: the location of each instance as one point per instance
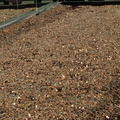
(62, 65)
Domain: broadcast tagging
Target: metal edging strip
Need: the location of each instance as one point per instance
(28, 14)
